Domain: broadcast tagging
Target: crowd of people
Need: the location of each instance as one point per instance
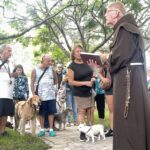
(126, 97)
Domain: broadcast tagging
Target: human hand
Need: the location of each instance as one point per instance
(93, 79)
(106, 80)
(104, 57)
(92, 63)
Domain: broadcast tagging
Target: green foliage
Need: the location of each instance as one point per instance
(82, 21)
(54, 51)
(3, 33)
(45, 46)
(25, 41)
(15, 141)
(42, 36)
(9, 4)
(58, 55)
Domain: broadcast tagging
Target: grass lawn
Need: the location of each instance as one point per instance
(15, 141)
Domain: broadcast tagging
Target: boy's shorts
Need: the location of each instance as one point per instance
(48, 107)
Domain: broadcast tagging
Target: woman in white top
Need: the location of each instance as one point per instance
(6, 87)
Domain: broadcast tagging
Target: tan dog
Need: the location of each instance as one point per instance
(26, 111)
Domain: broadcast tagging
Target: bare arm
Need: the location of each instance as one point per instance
(77, 83)
(101, 76)
(33, 76)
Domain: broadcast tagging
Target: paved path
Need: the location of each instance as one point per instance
(69, 140)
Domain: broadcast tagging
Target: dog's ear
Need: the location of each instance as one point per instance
(30, 101)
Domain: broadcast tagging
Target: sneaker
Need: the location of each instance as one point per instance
(82, 137)
(52, 133)
(9, 125)
(68, 125)
(75, 124)
(5, 133)
(41, 133)
(109, 133)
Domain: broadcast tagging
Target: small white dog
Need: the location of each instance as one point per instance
(91, 131)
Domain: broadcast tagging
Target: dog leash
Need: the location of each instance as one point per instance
(89, 129)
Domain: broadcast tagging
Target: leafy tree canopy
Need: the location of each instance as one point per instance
(55, 26)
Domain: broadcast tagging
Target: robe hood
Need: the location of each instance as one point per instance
(128, 23)
(127, 19)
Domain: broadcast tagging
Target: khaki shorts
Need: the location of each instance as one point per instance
(84, 102)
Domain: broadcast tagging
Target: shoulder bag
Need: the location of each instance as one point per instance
(37, 86)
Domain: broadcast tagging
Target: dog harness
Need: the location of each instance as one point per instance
(89, 129)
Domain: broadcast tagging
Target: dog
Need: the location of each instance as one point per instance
(92, 131)
(60, 118)
(61, 99)
(27, 111)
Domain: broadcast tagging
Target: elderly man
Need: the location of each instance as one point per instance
(59, 72)
(6, 87)
(44, 76)
(131, 102)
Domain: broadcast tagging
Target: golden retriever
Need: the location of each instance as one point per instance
(27, 111)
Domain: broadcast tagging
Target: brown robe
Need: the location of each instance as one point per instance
(133, 132)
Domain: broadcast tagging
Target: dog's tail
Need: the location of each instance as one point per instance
(16, 117)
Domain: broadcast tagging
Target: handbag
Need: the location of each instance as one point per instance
(106, 84)
(93, 93)
(37, 86)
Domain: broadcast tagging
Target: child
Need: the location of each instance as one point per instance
(21, 89)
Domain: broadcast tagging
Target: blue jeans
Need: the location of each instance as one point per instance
(70, 102)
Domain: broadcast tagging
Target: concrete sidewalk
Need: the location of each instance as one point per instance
(69, 140)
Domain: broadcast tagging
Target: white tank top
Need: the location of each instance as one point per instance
(6, 83)
(46, 88)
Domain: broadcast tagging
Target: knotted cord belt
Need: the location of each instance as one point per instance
(127, 101)
(128, 97)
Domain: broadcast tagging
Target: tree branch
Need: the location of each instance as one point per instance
(57, 41)
(63, 33)
(3, 9)
(147, 19)
(101, 44)
(34, 26)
